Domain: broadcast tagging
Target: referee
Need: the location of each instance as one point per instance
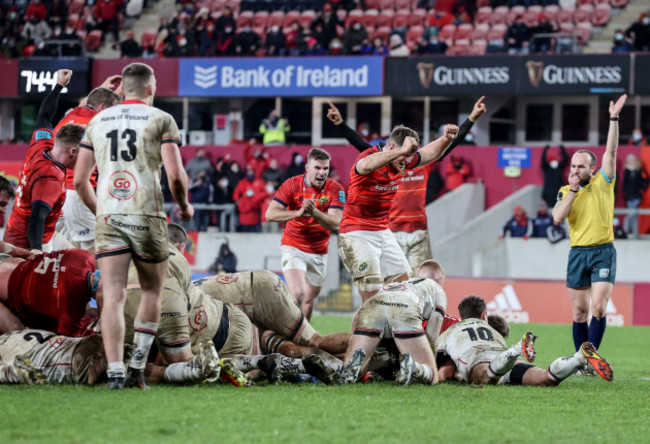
(588, 203)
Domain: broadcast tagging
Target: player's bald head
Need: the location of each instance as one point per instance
(471, 307)
(433, 270)
(136, 77)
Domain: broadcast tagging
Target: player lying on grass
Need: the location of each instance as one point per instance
(485, 361)
(399, 309)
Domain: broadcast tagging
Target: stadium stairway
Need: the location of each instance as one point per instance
(149, 19)
(601, 42)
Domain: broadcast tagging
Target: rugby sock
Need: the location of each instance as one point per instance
(145, 332)
(183, 372)
(580, 334)
(597, 330)
(562, 368)
(504, 361)
(329, 360)
(292, 366)
(116, 369)
(423, 373)
(245, 363)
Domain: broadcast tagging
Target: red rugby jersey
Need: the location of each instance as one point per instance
(408, 212)
(41, 178)
(305, 233)
(80, 115)
(51, 291)
(370, 197)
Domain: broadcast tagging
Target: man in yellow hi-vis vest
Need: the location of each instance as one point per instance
(274, 128)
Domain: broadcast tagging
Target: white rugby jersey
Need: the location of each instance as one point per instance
(423, 292)
(126, 141)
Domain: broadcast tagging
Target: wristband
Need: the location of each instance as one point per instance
(573, 191)
(613, 119)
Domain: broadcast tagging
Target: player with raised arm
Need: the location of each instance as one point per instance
(367, 247)
(408, 216)
(588, 204)
(41, 191)
(312, 206)
(129, 144)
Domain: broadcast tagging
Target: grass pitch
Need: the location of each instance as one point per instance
(581, 409)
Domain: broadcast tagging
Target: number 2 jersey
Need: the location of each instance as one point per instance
(470, 342)
(126, 141)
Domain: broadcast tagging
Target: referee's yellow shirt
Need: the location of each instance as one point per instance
(592, 213)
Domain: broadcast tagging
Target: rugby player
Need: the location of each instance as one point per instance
(41, 190)
(129, 143)
(312, 206)
(366, 246)
(408, 216)
(588, 204)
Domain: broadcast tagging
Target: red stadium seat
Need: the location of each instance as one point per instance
(76, 6)
(385, 18)
(355, 13)
(583, 29)
(514, 12)
(403, 4)
(94, 40)
(618, 3)
(479, 32)
(414, 34)
(565, 16)
(584, 2)
(148, 38)
(385, 5)
(383, 32)
(584, 13)
(371, 4)
(260, 19)
(291, 16)
(307, 17)
(499, 15)
(234, 5)
(482, 3)
(447, 34)
(418, 17)
(567, 28)
(460, 48)
(276, 18)
(342, 14)
(601, 15)
(463, 31)
(497, 32)
(531, 18)
(551, 12)
(401, 19)
(73, 20)
(217, 5)
(81, 33)
(477, 48)
(260, 30)
(245, 19)
(483, 15)
(369, 18)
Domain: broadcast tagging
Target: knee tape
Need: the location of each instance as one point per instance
(272, 343)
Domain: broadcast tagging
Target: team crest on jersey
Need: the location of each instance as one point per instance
(603, 273)
(200, 319)
(285, 262)
(363, 266)
(122, 185)
(227, 278)
(323, 200)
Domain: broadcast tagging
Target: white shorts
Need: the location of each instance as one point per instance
(372, 258)
(473, 358)
(415, 245)
(57, 242)
(314, 265)
(79, 220)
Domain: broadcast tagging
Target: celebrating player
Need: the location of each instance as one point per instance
(129, 143)
(588, 203)
(312, 206)
(41, 193)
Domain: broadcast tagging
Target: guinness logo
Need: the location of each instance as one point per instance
(425, 72)
(535, 72)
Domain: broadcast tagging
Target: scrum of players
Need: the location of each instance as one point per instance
(57, 288)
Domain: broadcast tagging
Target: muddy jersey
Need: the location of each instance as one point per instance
(470, 342)
(80, 115)
(371, 196)
(57, 356)
(305, 233)
(126, 141)
(423, 293)
(41, 179)
(408, 212)
(234, 288)
(179, 269)
(51, 291)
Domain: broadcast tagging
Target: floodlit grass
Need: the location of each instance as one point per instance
(585, 409)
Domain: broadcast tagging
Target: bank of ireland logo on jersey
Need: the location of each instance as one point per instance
(205, 77)
(122, 185)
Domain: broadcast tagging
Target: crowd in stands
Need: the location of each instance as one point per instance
(634, 38)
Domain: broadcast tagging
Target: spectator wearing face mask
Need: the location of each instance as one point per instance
(201, 191)
(621, 43)
(637, 138)
(107, 14)
(518, 225)
(274, 129)
(553, 166)
(542, 221)
(469, 139)
(457, 171)
(640, 32)
(199, 164)
(296, 167)
(226, 20)
(234, 175)
(432, 45)
(247, 42)
(377, 47)
(273, 173)
(249, 196)
(129, 48)
(364, 131)
(635, 182)
(256, 157)
(225, 43)
(268, 227)
(397, 48)
(326, 25)
(354, 37)
(274, 44)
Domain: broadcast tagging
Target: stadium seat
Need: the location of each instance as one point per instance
(567, 28)
(385, 18)
(584, 2)
(565, 16)
(369, 18)
(482, 3)
(355, 13)
(307, 17)
(94, 40)
(201, 4)
(276, 18)
(583, 29)
(76, 6)
(383, 32)
(371, 4)
(73, 20)
(618, 3)
(531, 18)
(342, 14)
(245, 19)
(148, 38)
(479, 32)
(514, 12)
(463, 31)
(499, 15)
(461, 47)
(447, 34)
(82, 33)
(550, 12)
(291, 16)
(401, 19)
(583, 14)
(601, 15)
(414, 34)
(403, 4)
(477, 48)
(483, 15)
(385, 5)
(564, 4)
(418, 17)
(497, 32)
(217, 5)
(260, 19)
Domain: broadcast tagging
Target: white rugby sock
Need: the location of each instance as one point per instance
(245, 363)
(423, 373)
(116, 369)
(145, 333)
(292, 366)
(562, 368)
(504, 361)
(183, 372)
